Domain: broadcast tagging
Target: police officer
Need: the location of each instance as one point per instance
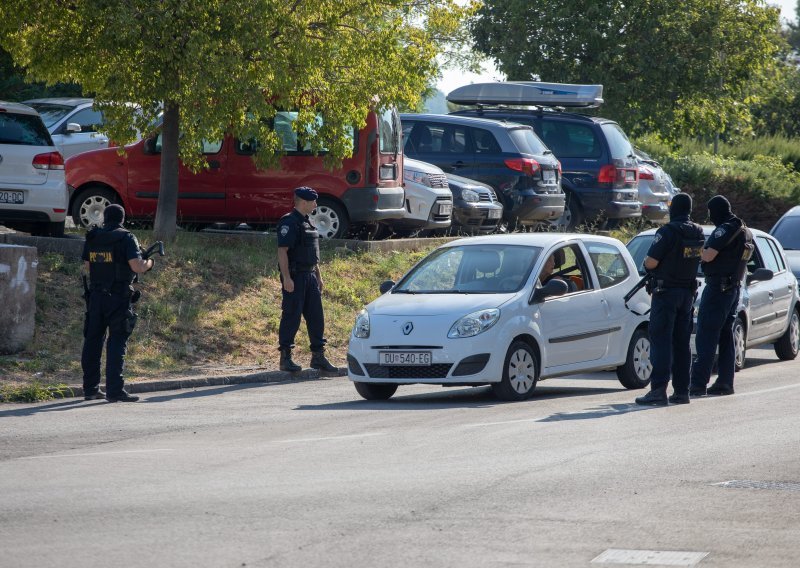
(672, 260)
(298, 260)
(112, 257)
(724, 262)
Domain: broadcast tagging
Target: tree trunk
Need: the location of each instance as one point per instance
(165, 227)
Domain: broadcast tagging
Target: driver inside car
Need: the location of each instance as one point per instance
(556, 260)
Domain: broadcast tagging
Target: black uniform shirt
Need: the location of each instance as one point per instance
(665, 240)
(728, 255)
(132, 249)
(289, 228)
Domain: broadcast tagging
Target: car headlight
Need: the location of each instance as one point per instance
(417, 177)
(474, 323)
(470, 195)
(361, 328)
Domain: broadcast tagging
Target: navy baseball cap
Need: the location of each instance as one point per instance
(306, 193)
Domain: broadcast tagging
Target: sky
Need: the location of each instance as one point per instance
(452, 78)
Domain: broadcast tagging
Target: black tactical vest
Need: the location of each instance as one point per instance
(731, 261)
(305, 256)
(679, 267)
(108, 263)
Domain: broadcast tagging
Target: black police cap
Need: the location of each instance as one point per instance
(306, 193)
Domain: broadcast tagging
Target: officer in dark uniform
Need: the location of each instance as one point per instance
(113, 258)
(672, 261)
(298, 260)
(724, 258)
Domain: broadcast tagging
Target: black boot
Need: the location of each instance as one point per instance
(319, 362)
(656, 397)
(286, 362)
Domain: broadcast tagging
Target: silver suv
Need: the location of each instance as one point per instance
(33, 191)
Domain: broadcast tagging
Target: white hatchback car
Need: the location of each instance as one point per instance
(475, 312)
(33, 190)
(73, 123)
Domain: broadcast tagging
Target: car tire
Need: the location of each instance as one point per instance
(572, 217)
(739, 344)
(635, 372)
(89, 204)
(520, 373)
(788, 345)
(330, 219)
(374, 391)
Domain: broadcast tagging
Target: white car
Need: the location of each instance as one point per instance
(474, 312)
(73, 124)
(33, 190)
(428, 202)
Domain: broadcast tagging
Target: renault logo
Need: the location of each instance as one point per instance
(408, 327)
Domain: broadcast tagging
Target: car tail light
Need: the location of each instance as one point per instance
(525, 165)
(619, 178)
(646, 173)
(49, 161)
(559, 169)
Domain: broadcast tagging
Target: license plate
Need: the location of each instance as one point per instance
(445, 208)
(549, 176)
(405, 357)
(16, 197)
(494, 213)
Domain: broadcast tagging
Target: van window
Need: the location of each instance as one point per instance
(23, 129)
(289, 141)
(485, 142)
(526, 141)
(568, 140)
(90, 120)
(618, 143)
(389, 131)
(437, 138)
(209, 146)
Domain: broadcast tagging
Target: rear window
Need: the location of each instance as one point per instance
(23, 129)
(788, 233)
(527, 142)
(389, 131)
(618, 143)
(570, 140)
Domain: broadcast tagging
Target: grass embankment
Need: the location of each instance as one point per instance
(212, 302)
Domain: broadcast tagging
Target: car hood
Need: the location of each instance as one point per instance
(435, 304)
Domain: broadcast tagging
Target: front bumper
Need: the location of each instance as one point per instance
(475, 217)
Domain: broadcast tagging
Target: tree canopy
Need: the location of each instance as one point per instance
(213, 66)
(670, 66)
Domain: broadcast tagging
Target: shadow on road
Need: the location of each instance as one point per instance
(55, 407)
(602, 411)
(468, 397)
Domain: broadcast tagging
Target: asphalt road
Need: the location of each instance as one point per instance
(308, 474)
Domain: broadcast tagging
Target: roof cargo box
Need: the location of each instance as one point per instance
(528, 93)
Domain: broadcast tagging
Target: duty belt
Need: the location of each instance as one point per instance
(303, 268)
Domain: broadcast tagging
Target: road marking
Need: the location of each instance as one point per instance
(96, 454)
(331, 438)
(650, 557)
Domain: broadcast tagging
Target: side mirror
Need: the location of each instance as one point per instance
(386, 285)
(73, 127)
(760, 275)
(555, 287)
(149, 146)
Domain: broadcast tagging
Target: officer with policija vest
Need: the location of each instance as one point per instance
(672, 261)
(724, 263)
(298, 260)
(113, 258)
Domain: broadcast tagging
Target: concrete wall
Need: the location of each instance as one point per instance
(18, 270)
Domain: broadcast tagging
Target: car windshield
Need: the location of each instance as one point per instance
(471, 269)
(51, 113)
(788, 233)
(527, 142)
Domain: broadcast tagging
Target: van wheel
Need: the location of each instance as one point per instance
(330, 219)
(373, 391)
(88, 207)
(520, 373)
(739, 344)
(572, 216)
(788, 345)
(635, 372)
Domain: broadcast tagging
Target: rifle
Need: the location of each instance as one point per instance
(157, 246)
(645, 282)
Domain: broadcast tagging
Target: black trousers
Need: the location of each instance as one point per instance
(305, 301)
(108, 312)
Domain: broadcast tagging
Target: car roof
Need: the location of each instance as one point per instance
(18, 108)
(793, 212)
(66, 101)
(707, 230)
(544, 240)
(467, 120)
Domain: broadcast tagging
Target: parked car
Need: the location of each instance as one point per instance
(367, 187)
(787, 232)
(429, 202)
(508, 157)
(33, 192)
(74, 126)
(476, 209)
(653, 188)
(474, 312)
(600, 172)
(769, 306)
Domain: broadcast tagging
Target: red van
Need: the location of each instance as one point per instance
(367, 188)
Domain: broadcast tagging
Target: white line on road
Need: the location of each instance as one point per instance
(331, 438)
(96, 454)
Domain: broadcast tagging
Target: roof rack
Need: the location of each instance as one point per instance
(528, 93)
